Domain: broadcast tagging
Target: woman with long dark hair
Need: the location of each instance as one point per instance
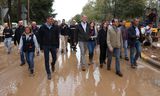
(92, 41)
(102, 37)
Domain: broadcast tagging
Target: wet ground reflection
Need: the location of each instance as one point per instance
(69, 80)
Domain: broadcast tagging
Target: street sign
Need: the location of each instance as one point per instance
(24, 12)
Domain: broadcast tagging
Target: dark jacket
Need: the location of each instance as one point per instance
(18, 33)
(132, 38)
(102, 37)
(7, 32)
(82, 35)
(49, 37)
(73, 33)
(64, 29)
(35, 31)
(124, 32)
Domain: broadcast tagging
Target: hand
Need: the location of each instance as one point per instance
(19, 51)
(57, 49)
(42, 51)
(38, 53)
(111, 49)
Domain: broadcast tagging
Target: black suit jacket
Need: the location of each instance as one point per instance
(82, 35)
(132, 38)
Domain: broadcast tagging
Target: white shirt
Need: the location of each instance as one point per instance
(84, 25)
(137, 32)
(148, 30)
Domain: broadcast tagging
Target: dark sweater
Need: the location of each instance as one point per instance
(102, 37)
(73, 33)
(18, 33)
(49, 37)
(7, 32)
(64, 29)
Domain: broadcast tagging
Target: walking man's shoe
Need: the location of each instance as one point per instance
(119, 74)
(133, 67)
(108, 68)
(52, 67)
(83, 68)
(126, 58)
(101, 65)
(66, 50)
(49, 76)
(62, 51)
(22, 64)
(135, 64)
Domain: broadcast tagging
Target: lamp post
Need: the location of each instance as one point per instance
(28, 11)
(19, 10)
(158, 12)
(9, 14)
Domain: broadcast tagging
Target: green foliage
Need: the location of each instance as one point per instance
(39, 9)
(107, 9)
(77, 18)
(3, 3)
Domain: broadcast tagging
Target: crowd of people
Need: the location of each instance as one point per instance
(111, 37)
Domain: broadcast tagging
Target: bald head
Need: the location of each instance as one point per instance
(34, 23)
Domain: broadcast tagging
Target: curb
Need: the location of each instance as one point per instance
(150, 60)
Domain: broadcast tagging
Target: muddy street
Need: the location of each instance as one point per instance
(69, 80)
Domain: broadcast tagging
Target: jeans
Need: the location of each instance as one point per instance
(91, 46)
(116, 52)
(30, 59)
(7, 43)
(83, 49)
(53, 51)
(22, 56)
(125, 46)
(134, 56)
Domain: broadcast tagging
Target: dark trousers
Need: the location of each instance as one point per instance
(103, 53)
(53, 51)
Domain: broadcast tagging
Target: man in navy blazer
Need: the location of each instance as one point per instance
(134, 40)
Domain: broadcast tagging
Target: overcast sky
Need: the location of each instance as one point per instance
(66, 9)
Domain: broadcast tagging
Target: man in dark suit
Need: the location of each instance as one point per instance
(49, 42)
(83, 29)
(134, 39)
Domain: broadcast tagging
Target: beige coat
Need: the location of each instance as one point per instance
(114, 39)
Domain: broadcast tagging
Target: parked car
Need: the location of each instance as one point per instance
(14, 25)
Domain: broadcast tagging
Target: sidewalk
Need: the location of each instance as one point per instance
(149, 59)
